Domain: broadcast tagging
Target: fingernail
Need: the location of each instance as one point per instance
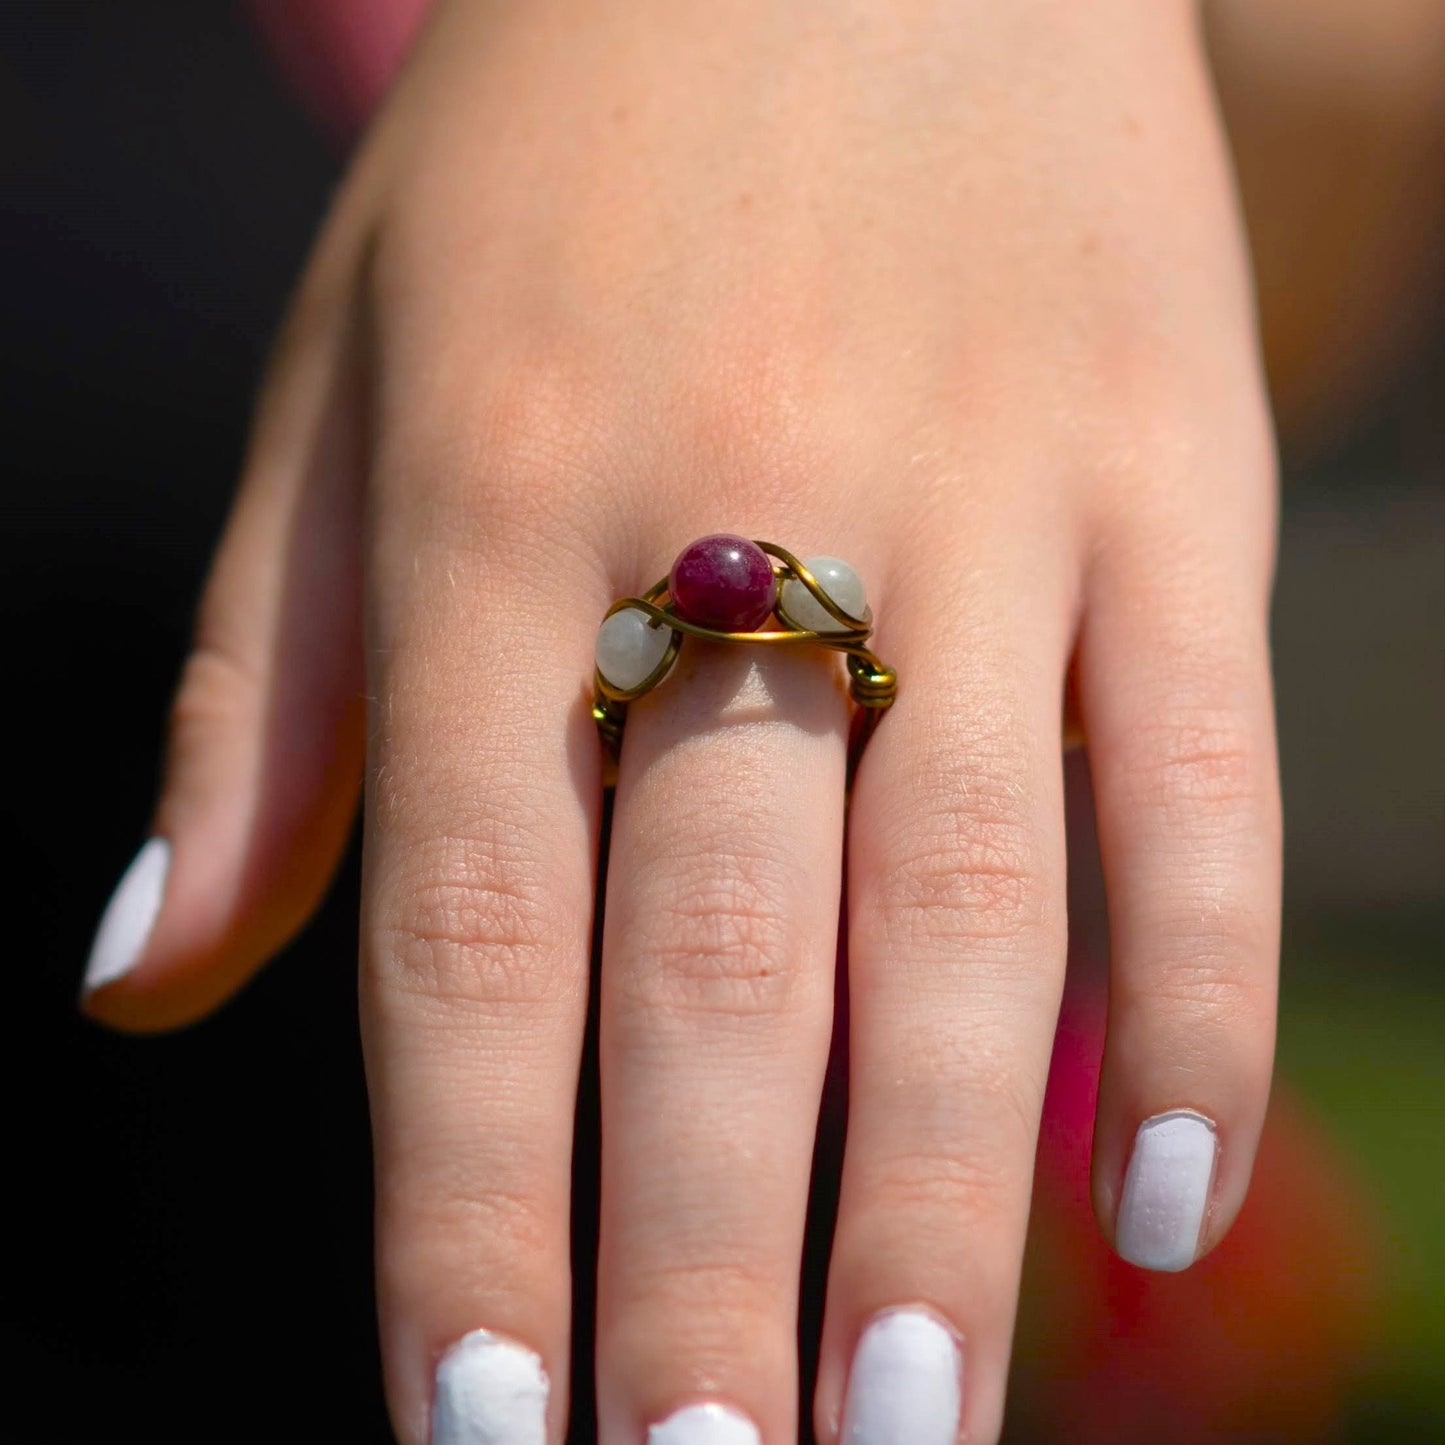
(129, 916)
(906, 1385)
(489, 1391)
(704, 1425)
(1166, 1191)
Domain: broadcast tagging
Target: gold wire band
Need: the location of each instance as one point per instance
(873, 684)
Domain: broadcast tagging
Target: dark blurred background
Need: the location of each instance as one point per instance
(189, 1216)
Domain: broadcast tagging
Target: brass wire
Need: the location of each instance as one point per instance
(872, 683)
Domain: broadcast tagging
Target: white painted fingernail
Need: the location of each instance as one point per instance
(906, 1385)
(1166, 1191)
(489, 1391)
(704, 1425)
(129, 916)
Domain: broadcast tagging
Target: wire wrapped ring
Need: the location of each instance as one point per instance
(726, 588)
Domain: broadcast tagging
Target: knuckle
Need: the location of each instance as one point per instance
(546, 447)
(978, 1175)
(746, 400)
(522, 441)
(721, 1285)
(950, 1188)
(720, 1317)
(320, 298)
(542, 433)
(975, 882)
(976, 1110)
(475, 922)
(1154, 440)
(474, 940)
(1219, 979)
(503, 1245)
(964, 861)
(217, 684)
(1201, 764)
(511, 1224)
(717, 939)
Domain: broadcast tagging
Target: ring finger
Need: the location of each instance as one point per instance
(717, 982)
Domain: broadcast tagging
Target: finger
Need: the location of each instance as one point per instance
(718, 962)
(956, 940)
(264, 758)
(1181, 738)
(482, 820)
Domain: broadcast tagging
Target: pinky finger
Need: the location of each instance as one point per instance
(1178, 712)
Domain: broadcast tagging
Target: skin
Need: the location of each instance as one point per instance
(956, 292)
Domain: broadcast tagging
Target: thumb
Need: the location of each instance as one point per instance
(267, 728)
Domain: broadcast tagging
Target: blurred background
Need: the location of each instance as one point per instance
(189, 1216)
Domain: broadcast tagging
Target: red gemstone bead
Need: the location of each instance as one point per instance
(723, 582)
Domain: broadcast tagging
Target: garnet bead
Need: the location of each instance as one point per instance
(723, 582)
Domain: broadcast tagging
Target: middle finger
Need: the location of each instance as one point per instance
(956, 957)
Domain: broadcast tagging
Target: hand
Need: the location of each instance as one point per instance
(956, 293)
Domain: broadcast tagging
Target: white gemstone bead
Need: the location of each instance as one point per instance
(839, 581)
(629, 647)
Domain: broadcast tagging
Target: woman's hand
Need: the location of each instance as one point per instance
(954, 292)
